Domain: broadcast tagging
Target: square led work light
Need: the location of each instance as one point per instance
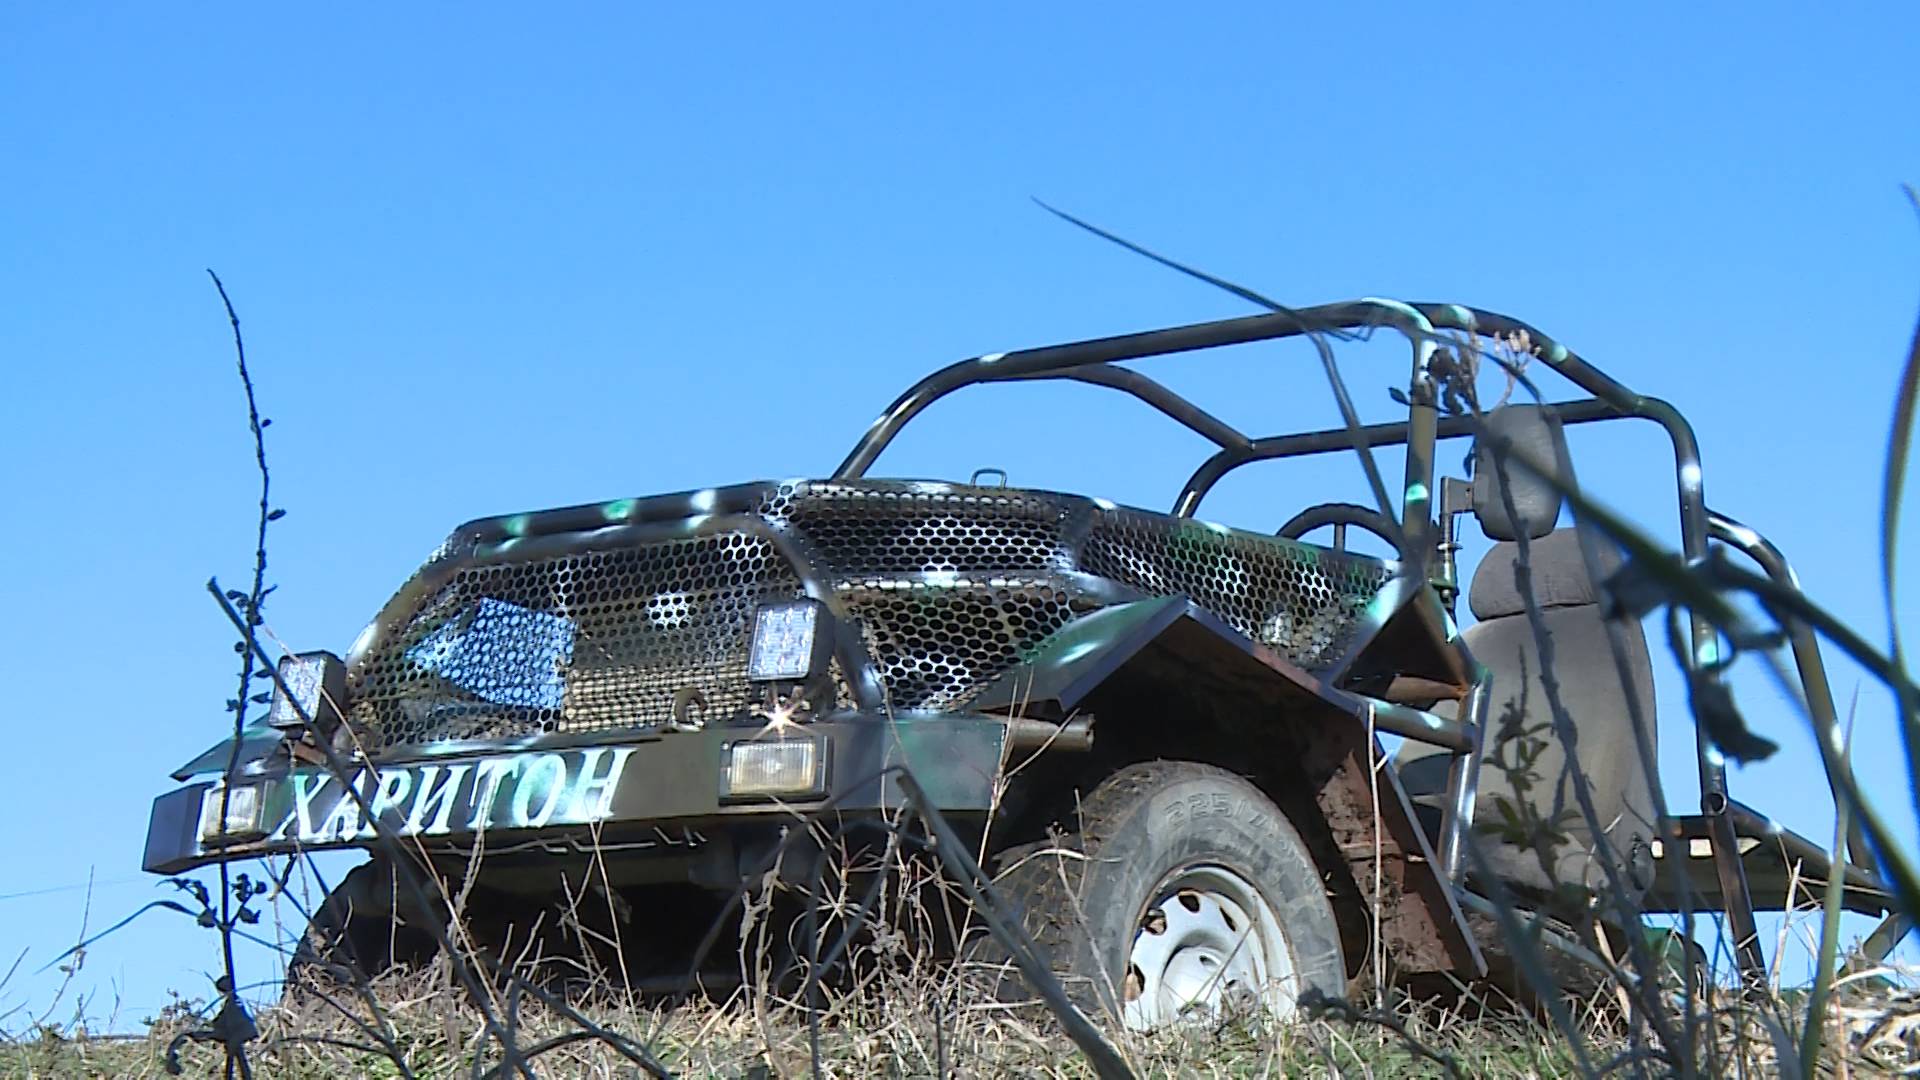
(790, 642)
(318, 682)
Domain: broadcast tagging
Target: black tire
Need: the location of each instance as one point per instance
(353, 935)
(1168, 832)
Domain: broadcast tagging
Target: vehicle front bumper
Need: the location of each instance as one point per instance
(511, 792)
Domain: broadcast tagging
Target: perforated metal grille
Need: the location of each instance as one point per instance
(923, 528)
(942, 579)
(937, 646)
(596, 640)
(947, 586)
(1302, 600)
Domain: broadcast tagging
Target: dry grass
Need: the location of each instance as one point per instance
(887, 1036)
(896, 1027)
(903, 1013)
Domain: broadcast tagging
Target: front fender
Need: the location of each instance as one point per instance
(257, 741)
(1244, 691)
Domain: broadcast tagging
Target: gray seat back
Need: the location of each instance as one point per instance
(1527, 818)
(1527, 791)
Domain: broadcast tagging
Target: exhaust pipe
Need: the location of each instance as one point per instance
(1027, 735)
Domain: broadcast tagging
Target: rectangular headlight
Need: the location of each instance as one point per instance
(318, 681)
(245, 806)
(775, 767)
(789, 642)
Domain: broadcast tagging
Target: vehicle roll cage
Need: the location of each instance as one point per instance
(1428, 326)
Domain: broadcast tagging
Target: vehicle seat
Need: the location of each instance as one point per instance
(1526, 773)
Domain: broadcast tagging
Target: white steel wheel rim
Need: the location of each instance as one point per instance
(1209, 943)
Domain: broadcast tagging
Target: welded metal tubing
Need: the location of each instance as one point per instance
(1026, 734)
(1356, 315)
(1737, 897)
(1463, 780)
(1423, 421)
(1127, 381)
(1418, 320)
(996, 367)
(1304, 444)
(1887, 936)
(1420, 725)
(1549, 936)
(1806, 658)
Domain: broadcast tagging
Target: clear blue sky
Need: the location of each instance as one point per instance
(490, 260)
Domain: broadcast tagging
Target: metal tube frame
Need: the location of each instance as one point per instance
(1806, 658)
(1422, 323)
(1463, 778)
(1304, 444)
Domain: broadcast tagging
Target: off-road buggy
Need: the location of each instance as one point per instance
(1172, 725)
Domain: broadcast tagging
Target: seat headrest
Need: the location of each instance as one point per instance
(1559, 575)
(1533, 433)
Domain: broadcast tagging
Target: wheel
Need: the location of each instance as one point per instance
(1340, 516)
(1682, 967)
(1186, 894)
(353, 935)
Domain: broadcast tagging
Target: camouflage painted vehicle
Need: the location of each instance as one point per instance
(654, 688)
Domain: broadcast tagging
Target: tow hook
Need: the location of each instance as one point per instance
(685, 700)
